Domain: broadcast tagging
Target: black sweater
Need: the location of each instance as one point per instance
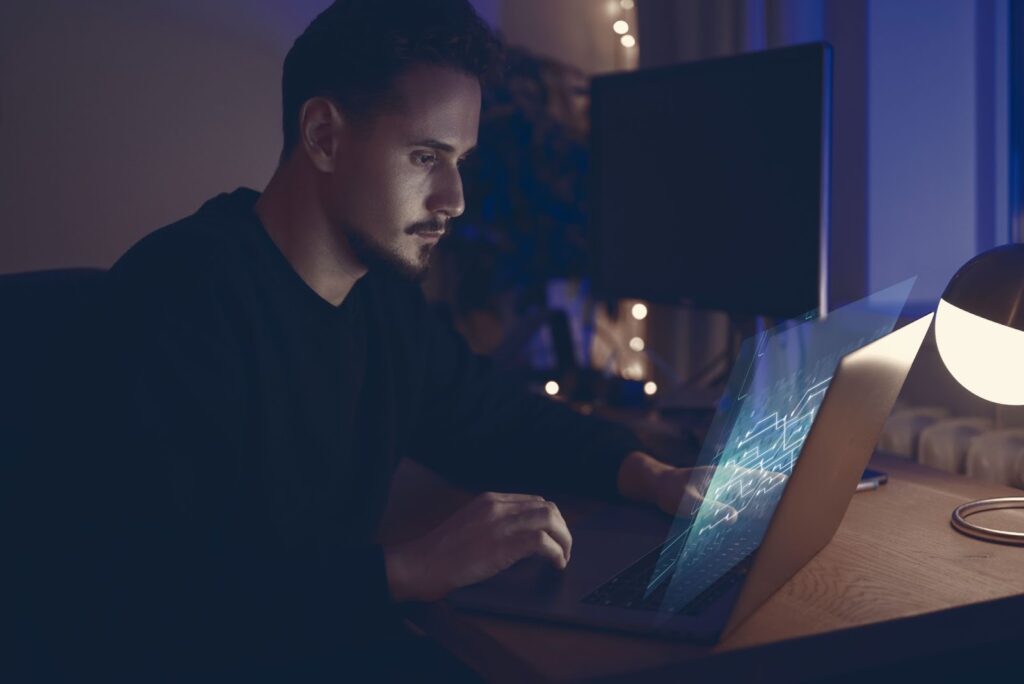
(265, 426)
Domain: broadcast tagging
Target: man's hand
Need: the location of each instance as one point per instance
(676, 491)
(489, 534)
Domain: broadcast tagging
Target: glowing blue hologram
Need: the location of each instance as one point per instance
(773, 395)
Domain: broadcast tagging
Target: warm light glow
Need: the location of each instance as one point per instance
(985, 357)
(620, 27)
(626, 4)
(650, 388)
(636, 344)
(551, 387)
(639, 311)
(633, 371)
(627, 41)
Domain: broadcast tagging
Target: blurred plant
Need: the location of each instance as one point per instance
(526, 218)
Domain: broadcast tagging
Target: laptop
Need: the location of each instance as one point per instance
(805, 406)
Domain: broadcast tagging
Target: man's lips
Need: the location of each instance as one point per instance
(433, 235)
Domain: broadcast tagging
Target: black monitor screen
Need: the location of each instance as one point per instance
(709, 182)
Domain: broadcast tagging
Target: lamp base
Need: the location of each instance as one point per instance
(960, 523)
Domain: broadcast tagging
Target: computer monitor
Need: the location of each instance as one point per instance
(710, 182)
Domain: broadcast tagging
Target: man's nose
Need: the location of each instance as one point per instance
(448, 197)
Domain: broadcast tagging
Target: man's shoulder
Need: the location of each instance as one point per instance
(191, 265)
(179, 246)
(198, 238)
(201, 240)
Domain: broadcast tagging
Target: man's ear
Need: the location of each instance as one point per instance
(320, 127)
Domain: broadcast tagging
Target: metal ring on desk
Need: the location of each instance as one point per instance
(960, 513)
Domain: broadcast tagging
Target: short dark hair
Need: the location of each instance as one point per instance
(353, 51)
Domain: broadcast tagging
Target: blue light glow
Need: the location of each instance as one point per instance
(774, 392)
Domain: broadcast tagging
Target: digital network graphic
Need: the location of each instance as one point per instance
(775, 390)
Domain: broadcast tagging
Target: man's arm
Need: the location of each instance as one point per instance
(479, 427)
(481, 430)
(496, 530)
(676, 491)
(639, 476)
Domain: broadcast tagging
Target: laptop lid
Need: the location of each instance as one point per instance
(762, 430)
(838, 447)
(792, 396)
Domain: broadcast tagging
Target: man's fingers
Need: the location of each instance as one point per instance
(532, 522)
(544, 516)
(540, 543)
(505, 497)
(723, 511)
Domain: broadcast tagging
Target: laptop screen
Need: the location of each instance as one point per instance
(771, 400)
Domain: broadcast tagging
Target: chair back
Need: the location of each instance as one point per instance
(48, 326)
(47, 320)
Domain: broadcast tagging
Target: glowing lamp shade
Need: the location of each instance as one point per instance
(979, 330)
(985, 357)
(979, 325)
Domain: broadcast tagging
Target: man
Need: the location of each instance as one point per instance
(276, 359)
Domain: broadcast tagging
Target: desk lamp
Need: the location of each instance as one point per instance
(979, 331)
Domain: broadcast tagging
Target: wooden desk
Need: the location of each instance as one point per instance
(896, 582)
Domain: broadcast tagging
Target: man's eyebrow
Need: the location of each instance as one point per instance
(438, 145)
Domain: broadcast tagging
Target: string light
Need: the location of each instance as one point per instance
(621, 27)
(551, 387)
(639, 311)
(633, 371)
(650, 388)
(636, 344)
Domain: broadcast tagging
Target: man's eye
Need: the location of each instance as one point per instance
(425, 158)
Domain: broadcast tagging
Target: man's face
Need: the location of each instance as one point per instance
(397, 182)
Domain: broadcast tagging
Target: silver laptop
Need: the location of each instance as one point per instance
(805, 407)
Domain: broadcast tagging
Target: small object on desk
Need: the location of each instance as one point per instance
(872, 479)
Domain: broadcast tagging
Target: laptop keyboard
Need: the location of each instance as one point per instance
(629, 589)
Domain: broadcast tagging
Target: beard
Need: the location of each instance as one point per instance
(376, 255)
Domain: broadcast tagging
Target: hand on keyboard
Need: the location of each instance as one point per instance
(483, 538)
(681, 491)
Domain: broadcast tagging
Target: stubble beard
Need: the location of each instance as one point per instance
(375, 255)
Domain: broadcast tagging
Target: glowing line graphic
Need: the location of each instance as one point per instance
(757, 436)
